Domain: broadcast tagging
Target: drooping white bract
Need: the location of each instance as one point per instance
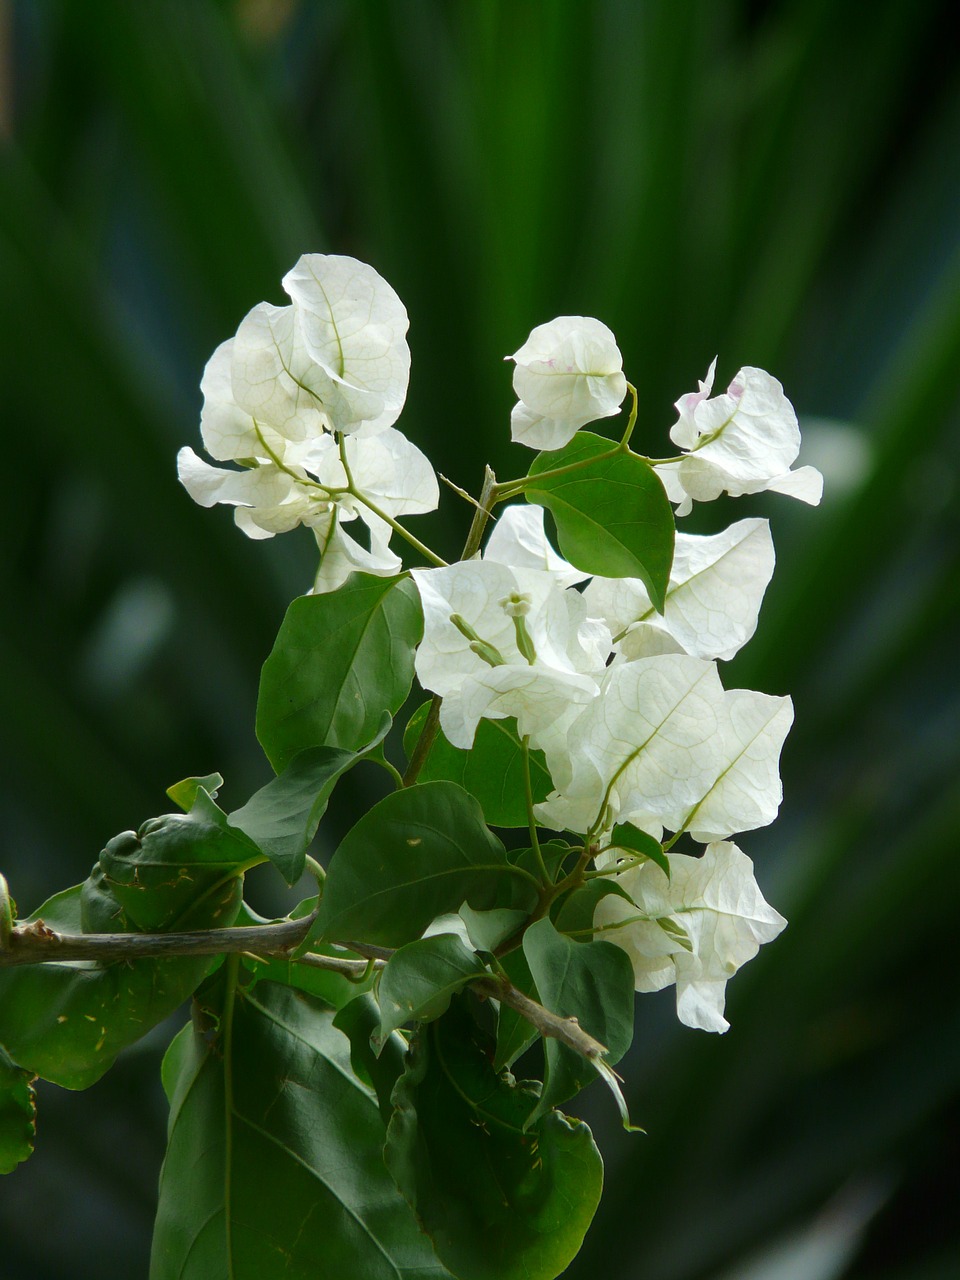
(273, 497)
(520, 541)
(354, 328)
(713, 600)
(644, 750)
(743, 441)
(664, 743)
(479, 617)
(569, 372)
(698, 927)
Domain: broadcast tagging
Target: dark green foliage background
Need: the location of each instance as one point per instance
(775, 181)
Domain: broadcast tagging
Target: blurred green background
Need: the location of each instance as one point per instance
(774, 180)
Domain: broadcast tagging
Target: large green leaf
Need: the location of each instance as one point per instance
(18, 1113)
(340, 661)
(282, 817)
(421, 979)
(66, 1021)
(589, 981)
(499, 1202)
(179, 869)
(273, 1165)
(491, 770)
(416, 855)
(612, 515)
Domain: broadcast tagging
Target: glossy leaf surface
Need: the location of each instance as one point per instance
(273, 1165)
(612, 515)
(339, 662)
(416, 855)
(67, 1021)
(282, 817)
(589, 981)
(491, 770)
(179, 869)
(421, 979)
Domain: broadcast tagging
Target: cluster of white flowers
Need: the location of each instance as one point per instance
(625, 702)
(304, 398)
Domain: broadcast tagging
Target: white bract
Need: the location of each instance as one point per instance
(696, 928)
(354, 327)
(713, 600)
(501, 642)
(743, 441)
(569, 372)
(520, 541)
(664, 743)
(294, 386)
(309, 488)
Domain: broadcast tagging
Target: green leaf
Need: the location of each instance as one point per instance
(491, 770)
(340, 661)
(627, 836)
(589, 981)
(612, 515)
(179, 868)
(498, 1202)
(416, 855)
(515, 1033)
(18, 1113)
(577, 910)
(273, 1165)
(381, 1067)
(66, 1021)
(282, 817)
(184, 793)
(419, 981)
(488, 929)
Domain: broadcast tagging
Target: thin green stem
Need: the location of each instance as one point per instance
(395, 525)
(282, 466)
(531, 819)
(431, 727)
(393, 771)
(512, 488)
(632, 420)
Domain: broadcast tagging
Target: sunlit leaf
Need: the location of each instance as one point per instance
(341, 660)
(612, 515)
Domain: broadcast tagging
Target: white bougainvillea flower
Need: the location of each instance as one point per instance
(307, 489)
(746, 792)
(663, 743)
(743, 441)
(268, 499)
(228, 432)
(713, 600)
(353, 326)
(520, 541)
(644, 750)
(696, 928)
(274, 379)
(569, 372)
(501, 642)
